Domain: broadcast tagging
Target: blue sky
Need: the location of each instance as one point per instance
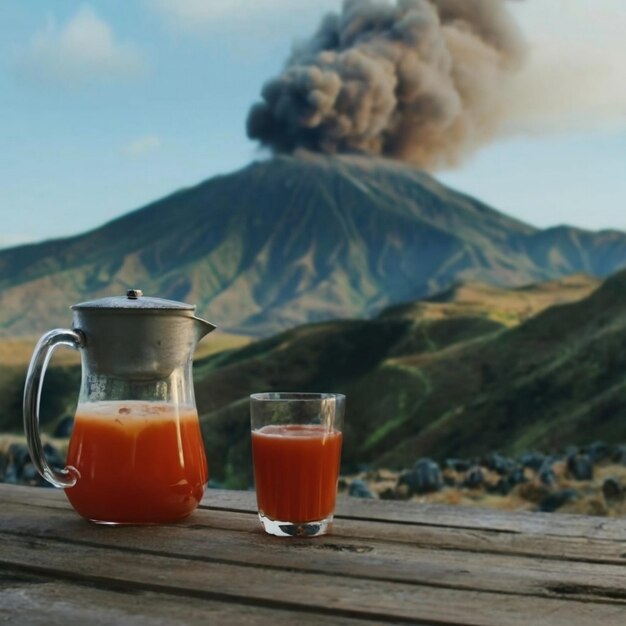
(105, 106)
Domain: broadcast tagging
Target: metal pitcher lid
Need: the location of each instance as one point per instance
(132, 301)
(136, 337)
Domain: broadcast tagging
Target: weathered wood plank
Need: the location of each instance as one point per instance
(394, 512)
(467, 540)
(369, 559)
(292, 590)
(42, 601)
(593, 550)
(445, 515)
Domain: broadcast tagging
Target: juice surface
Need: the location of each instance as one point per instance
(139, 462)
(296, 470)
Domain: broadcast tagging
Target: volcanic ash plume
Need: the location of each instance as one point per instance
(422, 80)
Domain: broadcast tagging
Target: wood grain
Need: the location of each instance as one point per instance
(293, 590)
(356, 558)
(37, 600)
(408, 513)
(423, 565)
(395, 512)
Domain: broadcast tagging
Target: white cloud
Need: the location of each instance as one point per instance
(142, 146)
(84, 50)
(575, 78)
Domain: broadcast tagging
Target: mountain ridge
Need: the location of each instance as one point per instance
(293, 240)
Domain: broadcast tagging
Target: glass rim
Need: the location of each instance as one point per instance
(294, 396)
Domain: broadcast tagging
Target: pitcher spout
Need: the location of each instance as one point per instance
(203, 328)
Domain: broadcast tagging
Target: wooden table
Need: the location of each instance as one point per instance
(386, 562)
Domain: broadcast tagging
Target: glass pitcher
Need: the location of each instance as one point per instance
(136, 454)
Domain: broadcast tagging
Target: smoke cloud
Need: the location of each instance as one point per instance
(419, 80)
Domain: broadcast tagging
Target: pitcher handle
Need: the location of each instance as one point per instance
(68, 476)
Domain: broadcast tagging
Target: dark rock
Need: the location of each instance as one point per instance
(53, 456)
(474, 478)
(503, 487)
(517, 476)
(498, 463)
(557, 499)
(358, 489)
(342, 484)
(612, 490)
(30, 475)
(619, 454)
(533, 460)
(546, 474)
(425, 477)
(580, 466)
(10, 474)
(598, 451)
(429, 474)
(63, 429)
(4, 461)
(387, 494)
(458, 465)
(19, 455)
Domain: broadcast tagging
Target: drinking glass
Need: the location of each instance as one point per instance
(296, 449)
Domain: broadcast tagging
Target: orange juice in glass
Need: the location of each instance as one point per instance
(296, 448)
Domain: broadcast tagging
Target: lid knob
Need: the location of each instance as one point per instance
(134, 294)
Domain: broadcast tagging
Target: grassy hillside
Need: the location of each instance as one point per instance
(450, 376)
(555, 380)
(424, 384)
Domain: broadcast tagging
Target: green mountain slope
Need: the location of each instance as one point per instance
(557, 379)
(423, 384)
(293, 240)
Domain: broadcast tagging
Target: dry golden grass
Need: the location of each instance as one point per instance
(506, 306)
(16, 351)
(218, 341)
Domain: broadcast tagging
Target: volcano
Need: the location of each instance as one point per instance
(296, 239)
